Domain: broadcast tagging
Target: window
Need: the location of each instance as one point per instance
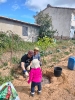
(72, 27)
(74, 17)
(25, 31)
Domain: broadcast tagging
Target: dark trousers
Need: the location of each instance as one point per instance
(33, 84)
(26, 65)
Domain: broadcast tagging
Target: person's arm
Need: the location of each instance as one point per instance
(23, 65)
(23, 68)
(28, 68)
(23, 62)
(30, 76)
(30, 63)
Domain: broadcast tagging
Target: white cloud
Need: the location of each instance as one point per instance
(37, 5)
(3, 1)
(65, 2)
(15, 7)
(42, 4)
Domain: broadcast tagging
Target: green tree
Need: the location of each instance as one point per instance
(46, 28)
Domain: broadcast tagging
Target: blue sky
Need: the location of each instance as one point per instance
(24, 10)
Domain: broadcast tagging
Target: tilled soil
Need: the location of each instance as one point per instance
(59, 88)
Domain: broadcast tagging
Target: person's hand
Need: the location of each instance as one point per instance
(28, 68)
(28, 81)
(26, 73)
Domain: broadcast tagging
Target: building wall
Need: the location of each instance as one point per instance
(61, 20)
(17, 28)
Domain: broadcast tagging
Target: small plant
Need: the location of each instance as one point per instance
(73, 42)
(50, 52)
(58, 50)
(66, 53)
(0, 73)
(15, 60)
(54, 59)
(46, 53)
(5, 64)
(64, 47)
(1, 66)
(41, 53)
(5, 79)
(12, 72)
(70, 50)
(44, 61)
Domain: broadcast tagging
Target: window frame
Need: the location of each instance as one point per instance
(24, 30)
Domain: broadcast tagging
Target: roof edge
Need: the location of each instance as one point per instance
(54, 7)
(3, 17)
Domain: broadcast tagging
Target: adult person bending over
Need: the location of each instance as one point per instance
(26, 62)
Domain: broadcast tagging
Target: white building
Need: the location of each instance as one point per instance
(26, 31)
(63, 20)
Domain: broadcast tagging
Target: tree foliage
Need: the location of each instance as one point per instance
(45, 42)
(46, 28)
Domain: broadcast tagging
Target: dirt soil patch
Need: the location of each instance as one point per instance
(59, 88)
(53, 88)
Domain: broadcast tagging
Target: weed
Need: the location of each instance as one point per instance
(64, 47)
(12, 72)
(50, 52)
(66, 53)
(54, 59)
(5, 79)
(5, 64)
(44, 61)
(15, 60)
(58, 50)
(1, 66)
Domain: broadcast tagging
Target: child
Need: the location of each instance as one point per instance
(35, 76)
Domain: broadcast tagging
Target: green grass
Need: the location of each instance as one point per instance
(5, 79)
(66, 53)
(15, 44)
(15, 60)
(5, 64)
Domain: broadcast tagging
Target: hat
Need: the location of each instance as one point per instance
(35, 63)
(30, 52)
(36, 48)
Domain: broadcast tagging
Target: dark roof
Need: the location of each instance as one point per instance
(49, 6)
(10, 19)
(61, 7)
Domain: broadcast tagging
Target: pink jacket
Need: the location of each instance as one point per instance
(35, 75)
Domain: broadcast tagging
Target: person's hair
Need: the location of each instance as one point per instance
(35, 63)
(30, 52)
